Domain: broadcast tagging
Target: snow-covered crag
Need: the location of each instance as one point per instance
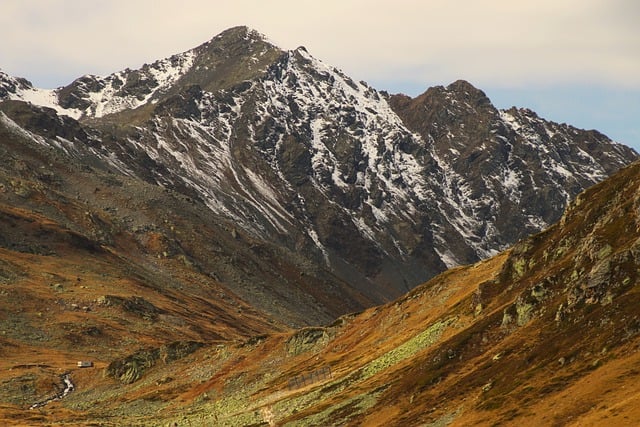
(507, 173)
(385, 191)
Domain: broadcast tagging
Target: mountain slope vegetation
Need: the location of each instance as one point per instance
(242, 235)
(544, 333)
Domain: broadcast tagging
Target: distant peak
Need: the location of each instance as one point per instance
(241, 32)
(11, 85)
(238, 30)
(464, 89)
(463, 86)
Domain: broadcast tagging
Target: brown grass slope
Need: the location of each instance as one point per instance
(97, 266)
(546, 333)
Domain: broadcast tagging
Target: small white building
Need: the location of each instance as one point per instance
(85, 364)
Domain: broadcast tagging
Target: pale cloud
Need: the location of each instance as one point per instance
(488, 42)
(547, 54)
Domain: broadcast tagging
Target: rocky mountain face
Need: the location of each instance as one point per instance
(368, 194)
(51, 175)
(172, 224)
(545, 333)
(508, 173)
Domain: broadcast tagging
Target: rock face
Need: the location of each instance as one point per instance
(375, 193)
(508, 173)
(531, 336)
(131, 368)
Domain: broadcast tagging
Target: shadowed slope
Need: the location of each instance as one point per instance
(545, 333)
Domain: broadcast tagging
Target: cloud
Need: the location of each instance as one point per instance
(533, 53)
(488, 42)
(513, 43)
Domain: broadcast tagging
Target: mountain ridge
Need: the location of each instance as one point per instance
(383, 191)
(544, 333)
(271, 246)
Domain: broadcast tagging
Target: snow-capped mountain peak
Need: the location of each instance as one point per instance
(385, 191)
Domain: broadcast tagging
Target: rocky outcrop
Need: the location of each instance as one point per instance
(586, 260)
(131, 368)
(135, 305)
(307, 339)
(519, 170)
(9, 86)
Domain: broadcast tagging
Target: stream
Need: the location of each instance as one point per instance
(68, 388)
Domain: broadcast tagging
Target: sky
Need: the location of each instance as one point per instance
(571, 61)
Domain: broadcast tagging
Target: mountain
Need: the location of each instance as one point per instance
(369, 194)
(545, 333)
(177, 224)
(509, 172)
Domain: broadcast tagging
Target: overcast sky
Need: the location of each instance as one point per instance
(574, 61)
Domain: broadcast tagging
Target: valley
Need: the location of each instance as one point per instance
(239, 235)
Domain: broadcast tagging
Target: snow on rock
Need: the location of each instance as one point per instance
(100, 96)
(274, 153)
(112, 95)
(20, 131)
(334, 107)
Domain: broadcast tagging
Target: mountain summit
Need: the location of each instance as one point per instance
(165, 230)
(373, 193)
(234, 56)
